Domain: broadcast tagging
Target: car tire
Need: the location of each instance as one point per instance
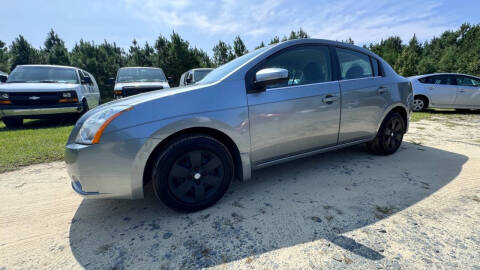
(192, 173)
(389, 136)
(13, 122)
(419, 104)
(85, 107)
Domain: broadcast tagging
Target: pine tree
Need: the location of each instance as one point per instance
(239, 47)
(222, 53)
(23, 53)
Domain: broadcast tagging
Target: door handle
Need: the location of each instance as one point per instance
(329, 99)
(461, 91)
(382, 89)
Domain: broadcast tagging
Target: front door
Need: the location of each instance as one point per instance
(468, 91)
(299, 115)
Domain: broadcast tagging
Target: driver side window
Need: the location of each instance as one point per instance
(305, 65)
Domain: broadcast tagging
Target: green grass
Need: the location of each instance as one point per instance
(37, 142)
(445, 113)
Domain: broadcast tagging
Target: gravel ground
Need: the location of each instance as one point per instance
(417, 209)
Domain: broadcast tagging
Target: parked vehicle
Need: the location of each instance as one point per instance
(3, 77)
(42, 91)
(446, 90)
(193, 75)
(135, 80)
(272, 105)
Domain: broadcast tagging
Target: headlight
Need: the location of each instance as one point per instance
(92, 129)
(66, 94)
(4, 95)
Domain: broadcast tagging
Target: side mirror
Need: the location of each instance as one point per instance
(269, 76)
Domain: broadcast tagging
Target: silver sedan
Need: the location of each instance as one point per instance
(275, 104)
(446, 90)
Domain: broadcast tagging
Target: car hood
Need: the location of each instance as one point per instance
(118, 86)
(152, 95)
(36, 87)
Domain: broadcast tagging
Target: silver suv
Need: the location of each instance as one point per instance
(275, 104)
(41, 91)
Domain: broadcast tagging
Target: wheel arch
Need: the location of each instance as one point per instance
(425, 97)
(400, 108)
(212, 132)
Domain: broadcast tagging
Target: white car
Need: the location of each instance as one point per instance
(193, 75)
(43, 91)
(135, 80)
(446, 90)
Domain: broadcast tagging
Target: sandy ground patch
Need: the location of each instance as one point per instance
(416, 209)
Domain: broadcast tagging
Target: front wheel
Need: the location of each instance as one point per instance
(390, 136)
(13, 122)
(192, 173)
(419, 104)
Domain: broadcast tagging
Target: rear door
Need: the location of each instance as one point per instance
(298, 115)
(442, 89)
(364, 95)
(468, 93)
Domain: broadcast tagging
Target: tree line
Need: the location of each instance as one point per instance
(453, 51)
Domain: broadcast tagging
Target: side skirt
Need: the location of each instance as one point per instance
(307, 154)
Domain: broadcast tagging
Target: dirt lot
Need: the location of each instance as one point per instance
(417, 209)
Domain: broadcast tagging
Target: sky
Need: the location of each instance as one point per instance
(204, 23)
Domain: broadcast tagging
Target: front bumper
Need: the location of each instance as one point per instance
(105, 170)
(24, 111)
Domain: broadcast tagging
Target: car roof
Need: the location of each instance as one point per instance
(325, 42)
(194, 69)
(440, 73)
(139, 67)
(57, 66)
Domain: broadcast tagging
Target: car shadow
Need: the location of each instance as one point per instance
(318, 198)
(452, 111)
(43, 123)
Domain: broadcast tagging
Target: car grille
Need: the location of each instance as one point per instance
(133, 90)
(34, 98)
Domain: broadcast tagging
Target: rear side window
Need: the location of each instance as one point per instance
(467, 81)
(354, 65)
(305, 65)
(439, 79)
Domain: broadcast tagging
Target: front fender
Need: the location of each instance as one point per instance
(232, 122)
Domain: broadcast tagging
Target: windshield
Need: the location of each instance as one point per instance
(36, 74)
(224, 69)
(140, 75)
(200, 74)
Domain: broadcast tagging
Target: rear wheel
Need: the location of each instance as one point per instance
(192, 173)
(13, 122)
(390, 136)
